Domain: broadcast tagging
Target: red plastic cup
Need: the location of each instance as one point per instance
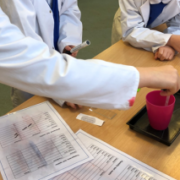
(159, 115)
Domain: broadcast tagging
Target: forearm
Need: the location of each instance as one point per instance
(145, 77)
(147, 39)
(172, 40)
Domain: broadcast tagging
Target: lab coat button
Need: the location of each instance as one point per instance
(50, 11)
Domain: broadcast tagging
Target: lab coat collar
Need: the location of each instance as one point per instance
(145, 11)
(158, 1)
(173, 4)
(167, 13)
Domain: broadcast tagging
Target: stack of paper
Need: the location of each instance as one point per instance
(37, 144)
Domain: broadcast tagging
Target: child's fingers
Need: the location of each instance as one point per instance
(156, 55)
(161, 51)
(171, 56)
(71, 105)
(160, 54)
(171, 90)
(165, 93)
(74, 54)
(161, 57)
(166, 55)
(74, 106)
(68, 48)
(79, 106)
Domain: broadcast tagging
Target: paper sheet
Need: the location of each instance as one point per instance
(36, 143)
(110, 164)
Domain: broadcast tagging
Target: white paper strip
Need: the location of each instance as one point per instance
(90, 119)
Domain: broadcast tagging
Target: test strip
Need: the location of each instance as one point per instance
(90, 119)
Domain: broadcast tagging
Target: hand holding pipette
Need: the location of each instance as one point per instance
(72, 50)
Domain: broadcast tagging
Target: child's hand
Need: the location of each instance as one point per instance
(165, 53)
(68, 48)
(163, 77)
(74, 106)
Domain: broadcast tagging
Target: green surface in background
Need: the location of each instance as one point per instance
(97, 18)
(5, 101)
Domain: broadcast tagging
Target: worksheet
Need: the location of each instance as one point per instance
(36, 143)
(109, 164)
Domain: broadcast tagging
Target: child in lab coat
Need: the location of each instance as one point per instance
(138, 18)
(56, 22)
(31, 66)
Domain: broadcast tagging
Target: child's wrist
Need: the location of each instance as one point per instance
(145, 77)
(170, 42)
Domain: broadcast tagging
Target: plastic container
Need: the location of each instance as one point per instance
(159, 115)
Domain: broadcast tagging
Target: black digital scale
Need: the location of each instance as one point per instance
(141, 124)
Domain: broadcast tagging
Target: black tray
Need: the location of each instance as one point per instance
(141, 124)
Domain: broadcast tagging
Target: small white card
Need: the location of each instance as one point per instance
(90, 119)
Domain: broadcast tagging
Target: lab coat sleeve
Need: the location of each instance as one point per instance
(59, 101)
(29, 65)
(173, 25)
(134, 30)
(70, 25)
(23, 15)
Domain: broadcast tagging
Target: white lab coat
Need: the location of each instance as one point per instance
(29, 65)
(35, 19)
(134, 19)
